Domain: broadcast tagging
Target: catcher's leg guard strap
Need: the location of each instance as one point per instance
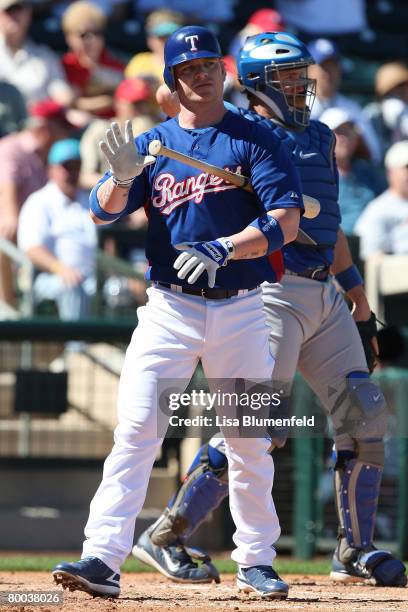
(202, 491)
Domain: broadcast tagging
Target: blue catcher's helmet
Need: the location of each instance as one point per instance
(261, 65)
(188, 43)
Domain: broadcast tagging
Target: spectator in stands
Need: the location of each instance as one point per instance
(313, 18)
(112, 9)
(47, 17)
(203, 11)
(131, 101)
(386, 113)
(35, 70)
(383, 226)
(327, 72)
(13, 110)
(23, 170)
(359, 180)
(91, 70)
(56, 232)
(262, 20)
(149, 64)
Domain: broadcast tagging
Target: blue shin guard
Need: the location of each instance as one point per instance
(203, 489)
(357, 484)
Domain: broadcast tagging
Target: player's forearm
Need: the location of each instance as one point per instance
(349, 278)
(361, 308)
(342, 255)
(249, 244)
(111, 199)
(346, 272)
(252, 242)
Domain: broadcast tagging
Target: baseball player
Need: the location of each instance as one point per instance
(310, 328)
(198, 307)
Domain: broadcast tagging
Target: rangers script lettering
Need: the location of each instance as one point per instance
(191, 188)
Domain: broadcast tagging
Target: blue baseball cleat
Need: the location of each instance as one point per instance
(90, 575)
(263, 580)
(375, 567)
(175, 561)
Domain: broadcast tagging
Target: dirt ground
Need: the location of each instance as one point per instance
(153, 593)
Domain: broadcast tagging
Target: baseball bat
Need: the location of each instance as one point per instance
(312, 206)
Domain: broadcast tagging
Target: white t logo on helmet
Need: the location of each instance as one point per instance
(191, 40)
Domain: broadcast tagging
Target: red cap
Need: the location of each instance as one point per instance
(230, 65)
(133, 90)
(267, 20)
(48, 109)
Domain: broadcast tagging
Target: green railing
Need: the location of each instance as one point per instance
(309, 461)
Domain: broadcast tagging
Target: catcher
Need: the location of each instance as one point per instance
(311, 328)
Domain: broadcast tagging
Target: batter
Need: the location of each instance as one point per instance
(210, 245)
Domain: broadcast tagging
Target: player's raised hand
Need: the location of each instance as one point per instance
(199, 257)
(120, 151)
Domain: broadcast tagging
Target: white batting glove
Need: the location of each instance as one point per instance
(203, 257)
(120, 151)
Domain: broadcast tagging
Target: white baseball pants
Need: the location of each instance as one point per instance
(175, 331)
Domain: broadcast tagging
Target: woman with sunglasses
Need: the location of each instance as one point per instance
(89, 67)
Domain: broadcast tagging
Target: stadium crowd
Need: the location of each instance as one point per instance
(68, 68)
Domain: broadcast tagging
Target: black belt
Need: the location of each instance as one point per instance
(319, 274)
(210, 294)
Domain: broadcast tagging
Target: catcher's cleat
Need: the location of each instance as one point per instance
(176, 561)
(374, 567)
(90, 575)
(263, 580)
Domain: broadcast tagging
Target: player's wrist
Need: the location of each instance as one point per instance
(349, 278)
(271, 229)
(229, 246)
(123, 183)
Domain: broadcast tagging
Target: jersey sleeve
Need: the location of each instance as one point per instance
(274, 176)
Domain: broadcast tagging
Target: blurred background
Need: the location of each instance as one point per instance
(69, 290)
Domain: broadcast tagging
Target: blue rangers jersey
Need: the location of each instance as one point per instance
(184, 204)
(312, 151)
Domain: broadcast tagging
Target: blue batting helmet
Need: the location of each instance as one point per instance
(188, 43)
(261, 63)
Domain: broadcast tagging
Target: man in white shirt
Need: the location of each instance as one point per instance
(34, 69)
(327, 72)
(56, 232)
(383, 226)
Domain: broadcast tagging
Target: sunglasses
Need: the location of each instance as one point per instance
(90, 34)
(16, 8)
